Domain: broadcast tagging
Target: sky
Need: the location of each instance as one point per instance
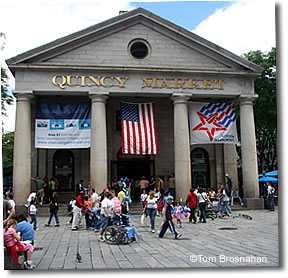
(238, 26)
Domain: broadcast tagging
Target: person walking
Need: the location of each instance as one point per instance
(77, 215)
(270, 195)
(167, 218)
(225, 195)
(151, 206)
(191, 201)
(32, 210)
(105, 214)
(53, 209)
(203, 202)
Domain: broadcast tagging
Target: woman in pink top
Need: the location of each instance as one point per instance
(117, 208)
(13, 244)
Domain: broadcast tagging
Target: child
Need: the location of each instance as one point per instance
(178, 214)
(32, 213)
(87, 208)
(143, 198)
(168, 219)
(13, 244)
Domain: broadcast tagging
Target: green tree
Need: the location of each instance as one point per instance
(5, 97)
(265, 108)
(7, 149)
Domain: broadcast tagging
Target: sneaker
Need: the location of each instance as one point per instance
(29, 266)
(37, 229)
(101, 239)
(178, 236)
(57, 225)
(75, 229)
(153, 231)
(47, 225)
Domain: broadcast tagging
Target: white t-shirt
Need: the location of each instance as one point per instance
(202, 197)
(143, 197)
(12, 203)
(225, 198)
(32, 210)
(106, 203)
(151, 203)
(93, 199)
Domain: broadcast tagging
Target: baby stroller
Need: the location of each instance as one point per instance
(94, 221)
(121, 233)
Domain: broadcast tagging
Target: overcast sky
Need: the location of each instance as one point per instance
(238, 26)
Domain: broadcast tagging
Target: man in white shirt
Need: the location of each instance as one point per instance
(106, 214)
(94, 199)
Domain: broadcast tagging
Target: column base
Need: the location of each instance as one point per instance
(254, 203)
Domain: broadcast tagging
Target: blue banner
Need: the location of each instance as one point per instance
(63, 125)
(52, 110)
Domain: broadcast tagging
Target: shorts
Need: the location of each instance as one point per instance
(104, 222)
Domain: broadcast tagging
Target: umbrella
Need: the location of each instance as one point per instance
(272, 173)
(268, 179)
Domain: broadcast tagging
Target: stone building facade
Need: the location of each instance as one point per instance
(135, 57)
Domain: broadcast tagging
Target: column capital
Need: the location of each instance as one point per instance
(23, 95)
(247, 99)
(180, 97)
(98, 97)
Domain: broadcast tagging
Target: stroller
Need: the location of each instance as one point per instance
(93, 217)
(121, 233)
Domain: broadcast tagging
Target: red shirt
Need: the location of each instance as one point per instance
(192, 199)
(79, 202)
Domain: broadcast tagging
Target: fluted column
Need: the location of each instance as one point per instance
(181, 146)
(22, 147)
(98, 149)
(248, 148)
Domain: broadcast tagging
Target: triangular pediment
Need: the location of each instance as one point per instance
(107, 45)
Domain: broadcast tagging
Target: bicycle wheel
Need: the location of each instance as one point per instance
(111, 234)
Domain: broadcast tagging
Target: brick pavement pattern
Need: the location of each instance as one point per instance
(246, 243)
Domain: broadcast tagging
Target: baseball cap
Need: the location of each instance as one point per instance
(170, 198)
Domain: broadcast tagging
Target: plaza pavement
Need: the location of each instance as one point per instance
(245, 243)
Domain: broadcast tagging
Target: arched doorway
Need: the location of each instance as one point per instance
(200, 168)
(63, 169)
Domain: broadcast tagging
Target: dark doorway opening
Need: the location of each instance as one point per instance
(63, 170)
(200, 168)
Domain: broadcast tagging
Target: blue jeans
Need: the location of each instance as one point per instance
(239, 198)
(202, 207)
(271, 202)
(55, 214)
(226, 206)
(219, 204)
(33, 220)
(152, 214)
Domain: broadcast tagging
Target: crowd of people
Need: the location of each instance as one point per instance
(114, 201)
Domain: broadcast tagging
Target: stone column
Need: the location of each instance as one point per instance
(98, 149)
(22, 147)
(249, 153)
(181, 146)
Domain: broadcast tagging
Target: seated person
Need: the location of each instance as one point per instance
(235, 195)
(211, 194)
(24, 227)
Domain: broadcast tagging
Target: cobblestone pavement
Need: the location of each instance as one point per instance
(218, 243)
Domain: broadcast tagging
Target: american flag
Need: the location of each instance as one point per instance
(138, 128)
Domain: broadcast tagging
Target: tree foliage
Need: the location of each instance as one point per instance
(7, 149)
(265, 108)
(5, 97)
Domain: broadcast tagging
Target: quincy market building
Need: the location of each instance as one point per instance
(136, 57)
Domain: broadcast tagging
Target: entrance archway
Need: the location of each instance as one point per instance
(200, 168)
(63, 169)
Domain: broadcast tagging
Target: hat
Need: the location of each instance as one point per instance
(227, 175)
(105, 189)
(170, 198)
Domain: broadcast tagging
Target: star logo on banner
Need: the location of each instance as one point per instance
(209, 124)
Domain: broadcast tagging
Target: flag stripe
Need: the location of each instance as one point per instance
(138, 128)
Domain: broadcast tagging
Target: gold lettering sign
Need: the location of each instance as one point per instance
(182, 83)
(64, 81)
